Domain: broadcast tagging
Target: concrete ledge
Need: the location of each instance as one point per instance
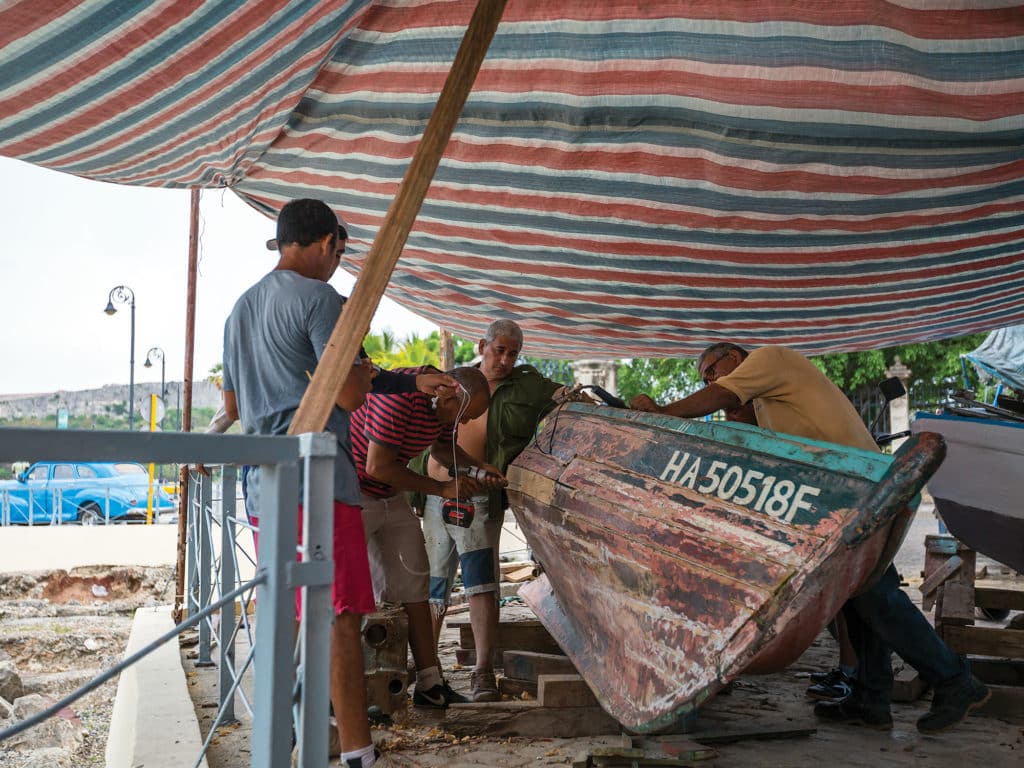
(153, 722)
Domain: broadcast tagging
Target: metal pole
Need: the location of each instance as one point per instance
(275, 631)
(228, 573)
(163, 389)
(317, 612)
(205, 531)
(131, 375)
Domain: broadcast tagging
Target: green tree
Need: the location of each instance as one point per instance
(929, 362)
(664, 379)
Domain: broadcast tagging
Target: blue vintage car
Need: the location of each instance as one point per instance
(87, 493)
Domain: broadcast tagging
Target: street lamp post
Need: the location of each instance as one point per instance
(159, 355)
(122, 294)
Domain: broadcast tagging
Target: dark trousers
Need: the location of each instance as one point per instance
(882, 620)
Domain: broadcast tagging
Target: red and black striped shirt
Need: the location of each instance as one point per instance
(404, 422)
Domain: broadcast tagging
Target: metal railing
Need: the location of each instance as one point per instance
(283, 679)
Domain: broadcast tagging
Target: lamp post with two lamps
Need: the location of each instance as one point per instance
(122, 294)
(159, 355)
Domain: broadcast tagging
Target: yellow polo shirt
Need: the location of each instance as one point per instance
(792, 395)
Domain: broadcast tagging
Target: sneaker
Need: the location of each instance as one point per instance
(825, 677)
(835, 689)
(439, 697)
(357, 762)
(852, 713)
(376, 716)
(952, 703)
(484, 686)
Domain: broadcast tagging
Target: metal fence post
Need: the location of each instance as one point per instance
(195, 502)
(5, 511)
(31, 507)
(275, 626)
(56, 506)
(205, 569)
(314, 673)
(106, 507)
(227, 583)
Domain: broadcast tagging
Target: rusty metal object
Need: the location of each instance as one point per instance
(679, 554)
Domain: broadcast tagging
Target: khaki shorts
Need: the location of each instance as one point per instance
(394, 543)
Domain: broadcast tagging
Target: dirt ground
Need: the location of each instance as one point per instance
(994, 736)
(61, 629)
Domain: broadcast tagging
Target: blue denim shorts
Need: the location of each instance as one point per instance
(475, 549)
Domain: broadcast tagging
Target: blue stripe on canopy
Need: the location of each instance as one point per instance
(624, 181)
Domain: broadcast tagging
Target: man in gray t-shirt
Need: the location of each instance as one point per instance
(273, 339)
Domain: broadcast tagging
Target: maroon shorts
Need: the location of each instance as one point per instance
(352, 591)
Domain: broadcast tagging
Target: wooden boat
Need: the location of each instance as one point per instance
(977, 490)
(678, 554)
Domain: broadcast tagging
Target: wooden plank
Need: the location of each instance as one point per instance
(564, 691)
(529, 665)
(354, 322)
(999, 598)
(528, 635)
(515, 688)
(943, 572)
(998, 671)
(985, 641)
(515, 565)
(763, 733)
(519, 575)
(907, 686)
(527, 718)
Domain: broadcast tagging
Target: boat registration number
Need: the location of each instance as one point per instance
(777, 497)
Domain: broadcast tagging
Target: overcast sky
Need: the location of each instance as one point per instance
(68, 241)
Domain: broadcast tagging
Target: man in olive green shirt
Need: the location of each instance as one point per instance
(520, 396)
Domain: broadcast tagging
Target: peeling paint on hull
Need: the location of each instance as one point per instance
(679, 554)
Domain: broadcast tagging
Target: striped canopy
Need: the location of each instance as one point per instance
(627, 179)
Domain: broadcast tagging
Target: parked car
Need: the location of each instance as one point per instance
(82, 492)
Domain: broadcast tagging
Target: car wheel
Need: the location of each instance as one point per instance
(89, 514)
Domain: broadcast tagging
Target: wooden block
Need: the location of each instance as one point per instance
(510, 686)
(908, 687)
(985, 641)
(528, 635)
(467, 657)
(957, 604)
(998, 671)
(519, 575)
(529, 665)
(999, 598)
(527, 718)
(564, 691)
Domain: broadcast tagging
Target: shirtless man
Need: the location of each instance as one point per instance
(519, 396)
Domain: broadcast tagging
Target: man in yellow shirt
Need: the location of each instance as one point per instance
(791, 395)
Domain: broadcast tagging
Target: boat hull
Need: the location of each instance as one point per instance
(977, 490)
(672, 560)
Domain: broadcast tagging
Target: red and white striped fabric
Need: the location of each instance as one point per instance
(626, 179)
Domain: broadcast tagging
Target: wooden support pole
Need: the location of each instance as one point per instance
(186, 415)
(447, 350)
(354, 322)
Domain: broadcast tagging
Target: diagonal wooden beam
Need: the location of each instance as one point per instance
(355, 318)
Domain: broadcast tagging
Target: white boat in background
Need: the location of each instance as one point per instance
(978, 488)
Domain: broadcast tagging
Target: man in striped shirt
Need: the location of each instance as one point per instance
(387, 432)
